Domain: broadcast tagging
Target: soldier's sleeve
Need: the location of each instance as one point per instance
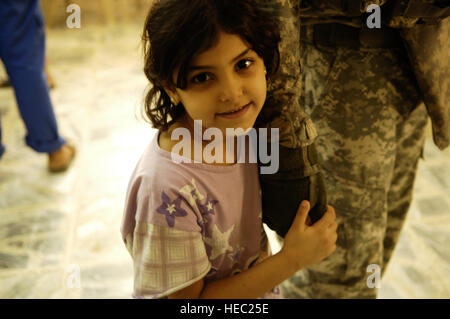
(284, 88)
(428, 47)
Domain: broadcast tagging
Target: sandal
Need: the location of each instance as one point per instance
(60, 160)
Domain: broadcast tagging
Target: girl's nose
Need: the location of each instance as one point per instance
(232, 90)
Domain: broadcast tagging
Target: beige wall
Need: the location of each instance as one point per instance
(96, 11)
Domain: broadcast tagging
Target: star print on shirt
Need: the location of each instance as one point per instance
(235, 256)
(202, 223)
(219, 242)
(205, 210)
(171, 209)
(192, 192)
(208, 208)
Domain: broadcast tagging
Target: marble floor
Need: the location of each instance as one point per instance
(59, 234)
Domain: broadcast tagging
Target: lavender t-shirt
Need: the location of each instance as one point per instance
(187, 221)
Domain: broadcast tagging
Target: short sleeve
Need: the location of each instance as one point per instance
(170, 203)
(166, 259)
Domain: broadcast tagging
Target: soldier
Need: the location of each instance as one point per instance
(363, 89)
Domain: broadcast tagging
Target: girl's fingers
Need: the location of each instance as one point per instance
(331, 209)
(333, 226)
(302, 215)
(326, 219)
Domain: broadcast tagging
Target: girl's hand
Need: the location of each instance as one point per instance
(305, 245)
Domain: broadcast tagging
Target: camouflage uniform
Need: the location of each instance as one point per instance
(367, 109)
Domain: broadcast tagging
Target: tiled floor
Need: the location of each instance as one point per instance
(59, 234)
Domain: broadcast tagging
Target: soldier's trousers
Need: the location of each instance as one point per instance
(371, 123)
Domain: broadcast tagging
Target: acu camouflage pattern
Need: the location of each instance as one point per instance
(370, 123)
(296, 130)
(428, 48)
(429, 51)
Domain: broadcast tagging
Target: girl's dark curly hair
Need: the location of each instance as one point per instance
(176, 31)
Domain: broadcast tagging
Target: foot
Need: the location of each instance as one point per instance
(5, 83)
(50, 82)
(60, 160)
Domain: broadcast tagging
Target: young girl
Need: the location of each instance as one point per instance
(194, 230)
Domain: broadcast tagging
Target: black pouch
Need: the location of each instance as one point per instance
(298, 178)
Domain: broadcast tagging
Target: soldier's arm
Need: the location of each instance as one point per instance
(298, 164)
(284, 88)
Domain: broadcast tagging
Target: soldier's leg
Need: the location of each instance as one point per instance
(410, 144)
(354, 98)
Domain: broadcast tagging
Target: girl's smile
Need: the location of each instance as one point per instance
(235, 113)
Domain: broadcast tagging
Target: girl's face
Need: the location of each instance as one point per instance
(226, 86)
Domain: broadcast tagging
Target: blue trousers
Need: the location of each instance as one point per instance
(22, 51)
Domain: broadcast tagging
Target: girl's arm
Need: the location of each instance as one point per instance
(303, 246)
(250, 284)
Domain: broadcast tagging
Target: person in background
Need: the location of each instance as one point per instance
(5, 83)
(22, 51)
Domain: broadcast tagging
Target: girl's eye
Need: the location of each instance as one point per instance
(244, 64)
(200, 78)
